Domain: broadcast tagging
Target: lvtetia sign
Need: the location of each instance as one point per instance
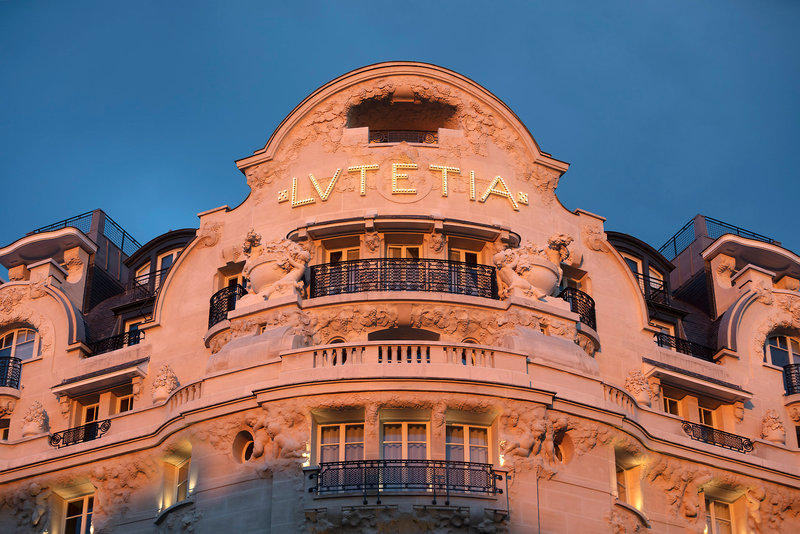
(401, 185)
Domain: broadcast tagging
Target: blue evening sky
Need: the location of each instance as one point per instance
(664, 109)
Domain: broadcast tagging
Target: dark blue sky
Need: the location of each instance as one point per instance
(664, 109)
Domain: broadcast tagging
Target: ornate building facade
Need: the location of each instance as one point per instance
(401, 329)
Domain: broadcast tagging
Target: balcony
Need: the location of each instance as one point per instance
(222, 302)
(146, 285)
(437, 477)
(582, 304)
(10, 372)
(653, 289)
(791, 378)
(707, 434)
(399, 136)
(396, 274)
(80, 434)
(117, 342)
(684, 347)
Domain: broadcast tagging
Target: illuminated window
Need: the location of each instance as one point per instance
(341, 443)
(4, 426)
(182, 481)
(718, 517)
(405, 441)
(465, 443)
(627, 478)
(782, 350)
(671, 405)
(22, 343)
(78, 515)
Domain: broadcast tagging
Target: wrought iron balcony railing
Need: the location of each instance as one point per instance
(126, 339)
(711, 435)
(403, 274)
(398, 136)
(146, 285)
(434, 476)
(582, 304)
(222, 302)
(80, 434)
(654, 289)
(791, 378)
(10, 372)
(685, 347)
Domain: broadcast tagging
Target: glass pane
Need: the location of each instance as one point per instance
(329, 453)
(87, 529)
(780, 357)
(412, 252)
(454, 255)
(7, 340)
(392, 451)
(354, 434)
(478, 436)
(166, 261)
(722, 511)
(26, 335)
(353, 452)
(455, 453)
(90, 505)
(392, 432)
(633, 265)
(335, 256)
(795, 346)
(479, 454)
(417, 433)
(455, 434)
(24, 350)
(73, 525)
(74, 508)
(417, 451)
(352, 254)
(5, 352)
(329, 434)
(395, 252)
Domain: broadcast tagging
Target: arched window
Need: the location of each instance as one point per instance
(22, 343)
(782, 350)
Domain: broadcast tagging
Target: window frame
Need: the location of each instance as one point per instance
(5, 428)
(792, 356)
(85, 517)
(13, 333)
(711, 515)
(342, 440)
(677, 402)
(404, 442)
(467, 446)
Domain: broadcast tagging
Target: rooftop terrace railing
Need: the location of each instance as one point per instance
(403, 274)
(684, 346)
(711, 435)
(582, 304)
(10, 372)
(398, 136)
(438, 477)
(714, 229)
(83, 222)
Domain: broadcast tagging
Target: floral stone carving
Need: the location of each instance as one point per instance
(164, 383)
(35, 420)
(772, 428)
(638, 387)
(274, 269)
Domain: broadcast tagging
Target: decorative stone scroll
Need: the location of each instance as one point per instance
(274, 269)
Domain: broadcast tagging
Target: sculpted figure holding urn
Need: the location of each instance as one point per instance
(276, 268)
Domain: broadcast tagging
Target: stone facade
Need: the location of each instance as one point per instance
(401, 329)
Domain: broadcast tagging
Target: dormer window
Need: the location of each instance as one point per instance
(782, 350)
(402, 117)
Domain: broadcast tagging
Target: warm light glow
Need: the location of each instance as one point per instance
(504, 192)
(363, 170)
(502, 460)
(324, 195)
(444, 171)
(395, 176)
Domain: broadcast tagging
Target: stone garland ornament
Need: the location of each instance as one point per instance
(638, 387)
(372, 241)
(35, 420)
(772, 428)
(276, 268)
(164, 383)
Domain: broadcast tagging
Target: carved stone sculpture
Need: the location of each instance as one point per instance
(772, 428)
(275, 269)
(637, 386)
(530, 271)
(372, 241)
(209, 234)
(35, 420)
(164, 383)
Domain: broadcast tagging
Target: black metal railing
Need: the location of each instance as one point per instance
(126, 339)
(398, 136)
(683, 346)
(403, 274)
(10, 372)
(435, 476)
(146, 285)
(83, 222)
(711, 435)
(222, 302)
(80, 434)
(654, 289)
(714, 228)
(791, 378)
(582, 304)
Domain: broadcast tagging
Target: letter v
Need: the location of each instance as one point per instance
(324, 196)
